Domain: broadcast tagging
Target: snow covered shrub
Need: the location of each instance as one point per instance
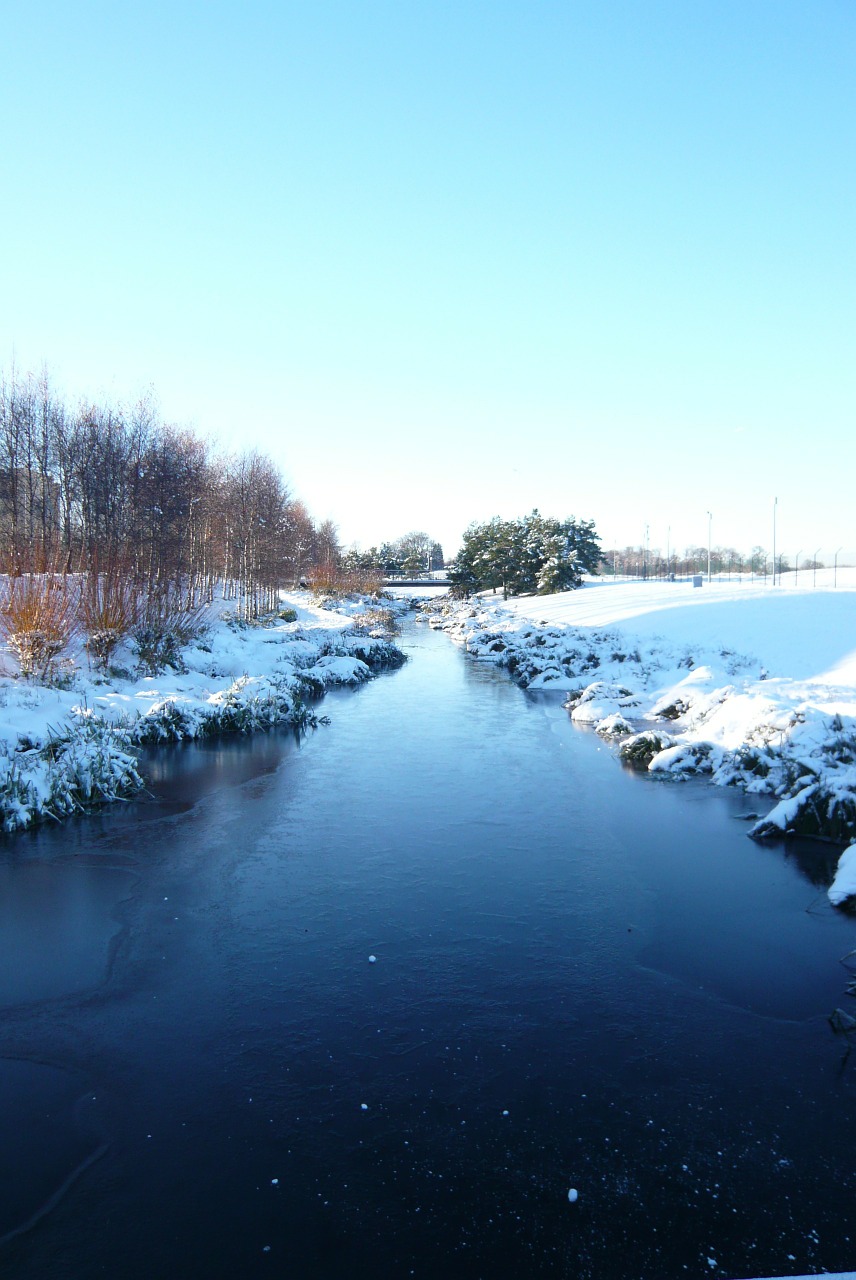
(287, 615)
(747, 764)
(108, 608)
(37, 620)
(671, 710)
(164, 625)
(377, 622)
(17, 795)
(826, 809)
(238, 710)
(640, 750)
(841, 749)
(613, 726)
(377, 654)
(166, 722)
(88, 763)
(156, 647)
(685, 758)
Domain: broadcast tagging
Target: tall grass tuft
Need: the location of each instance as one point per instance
(108, 610)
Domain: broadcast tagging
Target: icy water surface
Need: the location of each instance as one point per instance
(581, 979)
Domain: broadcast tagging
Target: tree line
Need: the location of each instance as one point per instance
(532, 555)
(101, 487)
(411, 554)
(640, 562)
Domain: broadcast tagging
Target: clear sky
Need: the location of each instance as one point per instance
(445, 260)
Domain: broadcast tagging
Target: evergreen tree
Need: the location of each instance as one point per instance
(525, 556)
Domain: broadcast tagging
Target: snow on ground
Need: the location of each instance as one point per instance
(751, 684)
(64, 748)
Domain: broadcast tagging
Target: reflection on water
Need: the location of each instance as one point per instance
(188, 773)
(579, 979)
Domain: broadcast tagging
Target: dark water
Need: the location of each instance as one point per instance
(582, 979)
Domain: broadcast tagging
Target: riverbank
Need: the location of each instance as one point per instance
(751, 685)
(70, 745)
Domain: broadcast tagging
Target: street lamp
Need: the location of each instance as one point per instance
(835, 570)
(814, 573)
(709, 522)
(775, 504)
(797, 567)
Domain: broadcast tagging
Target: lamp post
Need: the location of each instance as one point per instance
(668, 536)
(797, 567)
(709, 523)
(835, 569)
(646, 553)
(814, 571)
(775, 504)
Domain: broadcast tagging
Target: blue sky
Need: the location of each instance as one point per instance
(450, 260)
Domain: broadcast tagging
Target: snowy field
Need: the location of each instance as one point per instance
(69, 745)
(751, 684)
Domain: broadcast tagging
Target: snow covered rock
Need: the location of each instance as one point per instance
(843, 887)
(599, 700)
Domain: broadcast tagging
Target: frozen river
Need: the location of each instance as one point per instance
(370, 1005)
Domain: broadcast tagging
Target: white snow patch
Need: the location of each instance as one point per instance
(844, 884)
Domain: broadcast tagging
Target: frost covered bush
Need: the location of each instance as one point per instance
(613, 726)
(377, 622)
(109, 606)
(37, 620)
(156, 647)
(640, 750)
(165, 624)
(684, 758)
(376, 653)
(822, 808)
(90, 766)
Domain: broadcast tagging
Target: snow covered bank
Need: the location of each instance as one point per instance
(750, 684)
(65, 749)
